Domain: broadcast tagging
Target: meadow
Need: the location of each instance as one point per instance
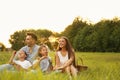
(101, 66)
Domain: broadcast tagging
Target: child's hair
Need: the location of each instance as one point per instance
(24, 53)
(40, 48)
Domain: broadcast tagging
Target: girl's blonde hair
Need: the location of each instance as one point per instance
(40, 48)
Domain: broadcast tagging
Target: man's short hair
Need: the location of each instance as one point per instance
(32, 35)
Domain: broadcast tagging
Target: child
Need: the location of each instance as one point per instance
(21, 63)
(43, 60)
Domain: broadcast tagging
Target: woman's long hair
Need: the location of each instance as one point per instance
(69, 48)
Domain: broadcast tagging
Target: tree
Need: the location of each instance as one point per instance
(17, 39)
(43, 37)
(101, 37)
(72, 30)
(83, 40)
(2, 47)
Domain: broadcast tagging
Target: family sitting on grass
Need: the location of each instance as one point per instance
(42, 60)
(34, 57)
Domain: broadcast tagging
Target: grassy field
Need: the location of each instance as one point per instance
(101, 66)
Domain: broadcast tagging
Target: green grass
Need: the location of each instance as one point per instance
(101, 66)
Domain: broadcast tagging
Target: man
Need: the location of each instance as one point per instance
(31, 50)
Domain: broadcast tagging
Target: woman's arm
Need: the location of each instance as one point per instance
(57, 62)
(67, 63)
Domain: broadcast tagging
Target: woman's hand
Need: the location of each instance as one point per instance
(54, 68)
(58, 68)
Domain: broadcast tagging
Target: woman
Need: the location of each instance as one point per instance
(65, 57)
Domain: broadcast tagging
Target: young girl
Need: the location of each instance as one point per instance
(21, 63)
(44, 61)
(65, 57)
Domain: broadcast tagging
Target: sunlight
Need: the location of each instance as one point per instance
(52, 39)
(52, 15)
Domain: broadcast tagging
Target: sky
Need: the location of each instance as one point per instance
(54, 15)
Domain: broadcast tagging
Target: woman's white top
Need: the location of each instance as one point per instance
(63, 59)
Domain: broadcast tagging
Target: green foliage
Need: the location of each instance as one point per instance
(2, 47)
(72, 30)
(43, 37)
(17, 39)
(83, 39)
(106, 31)
(100, 37)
